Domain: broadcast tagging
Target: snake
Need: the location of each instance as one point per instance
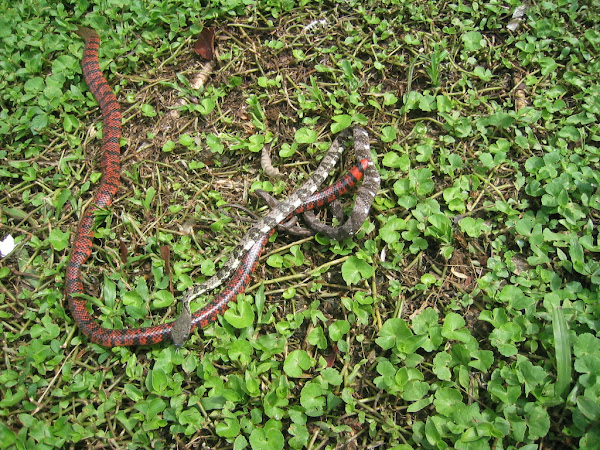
(277, 215)
(242, 261)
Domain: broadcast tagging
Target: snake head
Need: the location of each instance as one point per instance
(181, 327)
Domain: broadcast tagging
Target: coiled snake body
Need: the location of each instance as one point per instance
(241, 263)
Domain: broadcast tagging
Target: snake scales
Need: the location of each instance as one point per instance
(241, 262)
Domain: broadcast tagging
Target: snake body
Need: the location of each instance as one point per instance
(241, 263)
(274, 217)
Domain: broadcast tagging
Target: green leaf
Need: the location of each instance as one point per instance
(338, 329)
(447, 400)
(389, 99)
(538, 421)
(422, 181)
(453, 328)
(296, 362)
(504, 336)
(159, 381)
(186, 140)
(8, 436)
(392, 331)
(473, 227)
(305, 136)
(473, 40)
(240, 350)
(150, 194)
(229, 427)
(58, 239)
(570, 132)
(208, 267)
(548, 65)
(415, 390)
(388, 134)
(441, 366)
(255, 143)
(259, 299)
(513, 295)
(288, 150)
(162, 299)
(483, 360)
(388, 231)
(168, 146)
(45, 330)
(396, 161)
(482, 73)
(529, 374)
(577, 255)
(206, 106)
(70, 123)
(241, 315)
(487, 160)
(355, 269)
(312, 399)
(589, 407)
(562, 351)
(34, 85)
(332, 376)
(413, 408)
(39, 123)
(501, 120)
(148, 110)
(300, 436)
(275, 261)
(342, 122)
(150, 407)
(214, 143)
(11, 399)
(274, 405)
(317, 337)
(441, 227)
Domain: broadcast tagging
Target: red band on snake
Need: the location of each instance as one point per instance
(110, 164)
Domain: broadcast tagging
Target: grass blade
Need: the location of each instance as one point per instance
(562, 350)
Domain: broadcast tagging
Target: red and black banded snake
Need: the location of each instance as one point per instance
(245, 256)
